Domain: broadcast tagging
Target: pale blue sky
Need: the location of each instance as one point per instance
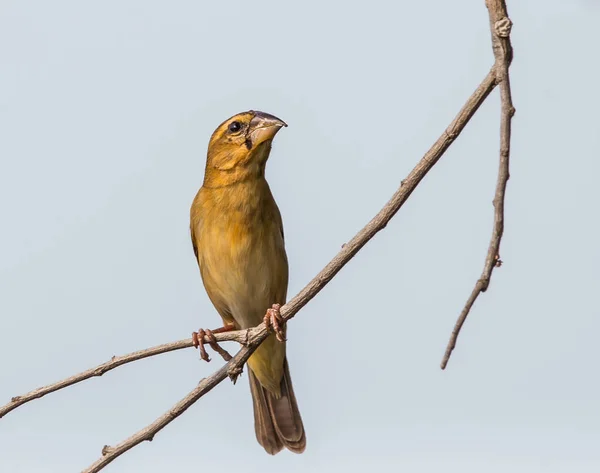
(106, 109)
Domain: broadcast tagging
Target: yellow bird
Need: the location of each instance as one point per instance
(237, 233)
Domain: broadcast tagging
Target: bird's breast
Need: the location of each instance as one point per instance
(241, 253)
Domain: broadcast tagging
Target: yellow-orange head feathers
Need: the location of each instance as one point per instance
(239, 148)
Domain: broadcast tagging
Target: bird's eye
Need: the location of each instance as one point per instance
(234, 127)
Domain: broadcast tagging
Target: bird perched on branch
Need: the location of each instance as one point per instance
(237, 234)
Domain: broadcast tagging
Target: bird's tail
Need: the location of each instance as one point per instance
(277, 421)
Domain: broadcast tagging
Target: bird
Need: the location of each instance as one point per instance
(238, 239)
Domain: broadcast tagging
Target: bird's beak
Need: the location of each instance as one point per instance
(263, 127)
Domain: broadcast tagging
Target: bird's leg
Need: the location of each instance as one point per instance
(274, 320)
(198, 341)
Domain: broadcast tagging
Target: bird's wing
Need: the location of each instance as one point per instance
(209, 284)
(193, 235)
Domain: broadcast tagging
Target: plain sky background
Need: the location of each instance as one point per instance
(105, 113)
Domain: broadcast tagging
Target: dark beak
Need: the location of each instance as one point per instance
(263, 127)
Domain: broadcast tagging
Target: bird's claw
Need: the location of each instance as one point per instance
(198, 341)
(273, 320)
(234, 373)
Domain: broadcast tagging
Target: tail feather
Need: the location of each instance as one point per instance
(277, 421)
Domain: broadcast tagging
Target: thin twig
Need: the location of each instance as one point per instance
(349, 250)
(500, 25)
(111, 453)
(114, 362)
(259, 333)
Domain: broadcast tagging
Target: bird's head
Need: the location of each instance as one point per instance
(239, 148)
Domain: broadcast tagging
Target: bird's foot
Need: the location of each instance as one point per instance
(234, 373)
(273, 320)
(198, 341)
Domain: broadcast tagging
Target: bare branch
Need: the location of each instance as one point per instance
(349, 250)
(256, 335)
(500, 25)
(116, 361)
(251, 338)
(111, 453)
